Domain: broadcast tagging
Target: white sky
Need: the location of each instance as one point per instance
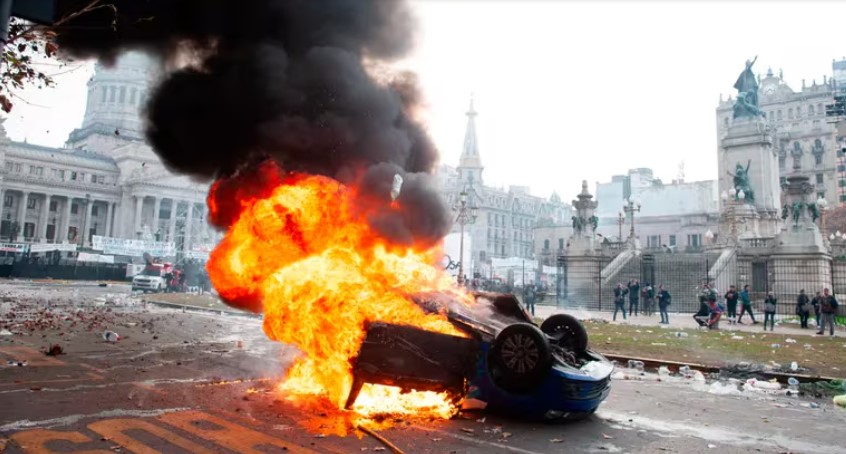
(569, 90)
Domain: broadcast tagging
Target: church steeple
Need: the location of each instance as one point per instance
(470, 165)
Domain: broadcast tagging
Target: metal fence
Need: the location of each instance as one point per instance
(80, 271)
(588, 282)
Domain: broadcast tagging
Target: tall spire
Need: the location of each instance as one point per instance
(470, 165)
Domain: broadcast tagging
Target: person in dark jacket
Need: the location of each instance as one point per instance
(746, 305)
(704, 312)
(663, 303)
(815, 302)
(803, 308)
(634, 297)
(732, 297)
(828, 309)
(620, 300)
(770, 305)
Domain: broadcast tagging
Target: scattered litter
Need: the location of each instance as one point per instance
(468, 430)
(481, 420)
(556, 440)
(5, 332)
(697, 376)
(13, 362)
(723, 389)
(684, 370)
(320, 436)
(618, 376)
(737, 338)
(110, 336)
(607, 437)
(711, 446)
(659, 344)
(840, 401)
(506, 434)
(663, 371)
(775, 345)
(681, 334)
(794, 366)
(378, 448)
(790, 341)
(437, 439)
(635, 364)
(793, 384)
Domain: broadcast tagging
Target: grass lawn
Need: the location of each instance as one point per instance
(820, 355)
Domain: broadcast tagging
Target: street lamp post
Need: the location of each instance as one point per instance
(631, 206)
(465, 215)
(621, 220)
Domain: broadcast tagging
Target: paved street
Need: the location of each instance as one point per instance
(204, 382)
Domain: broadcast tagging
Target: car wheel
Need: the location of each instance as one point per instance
(567, 331)
(520, 358)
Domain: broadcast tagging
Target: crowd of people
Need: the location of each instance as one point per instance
(823, 305)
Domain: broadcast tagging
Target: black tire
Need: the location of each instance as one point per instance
(568, 332)
(520, 358)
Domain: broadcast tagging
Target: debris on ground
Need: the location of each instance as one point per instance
(840, 401)
(54, 350)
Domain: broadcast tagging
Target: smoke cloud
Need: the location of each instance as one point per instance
(284, 79)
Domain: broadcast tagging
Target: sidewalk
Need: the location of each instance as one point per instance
(685, 321)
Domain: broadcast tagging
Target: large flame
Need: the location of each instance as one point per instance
(303, 249)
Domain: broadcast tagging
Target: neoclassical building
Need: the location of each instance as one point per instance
(506, 218)
(106, 180)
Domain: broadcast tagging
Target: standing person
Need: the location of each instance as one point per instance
(803, 308)
(770, 304)
(634, 297)
(663, 302)
(732, 297)
(828, 308)
(815, 302)
(620, 300)
(530, 298)
(746, 305)
(649, 299)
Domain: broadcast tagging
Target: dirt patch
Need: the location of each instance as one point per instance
(819, 355)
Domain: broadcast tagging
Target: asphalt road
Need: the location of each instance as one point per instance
(189, 382)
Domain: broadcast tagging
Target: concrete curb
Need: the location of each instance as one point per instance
(188, 307)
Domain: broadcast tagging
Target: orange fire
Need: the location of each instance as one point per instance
(303, 249)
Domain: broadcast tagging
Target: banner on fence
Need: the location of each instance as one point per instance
(97, 258)
(50, 247)
(13, 247)
(121, 246)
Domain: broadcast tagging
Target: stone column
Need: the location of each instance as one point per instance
(139, 204)
(22, 215)
(2, 201)
(110, 210)
(189, 222)
(45, 217)
(171, 229)
(86, 221)
(157, 206)
(65, 223)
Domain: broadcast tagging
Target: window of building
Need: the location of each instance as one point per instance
(54, 205)
(101, 179)
(818, 159)
(561, 243)
(672, 240)
(132, 94)
(93, 178)
(820, 109)
(781, 162)
(545, 245)
(7, 201)
(782, 181)
(103, 91)
(94, 210)
(841, 168)
(811, 110)
(112, 92)
(74, 208)
(841, 183)
(18, 167)
(790, 113)
(694, 240)
(843, 197)
(653, 241)
(30, 203)
(73, 176)
(778, 114)
(799, 112)
(819, 178)
(818, 144)
(122, 95)
(82, 176)
(29, 229)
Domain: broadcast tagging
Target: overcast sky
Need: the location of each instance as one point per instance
(569, 90)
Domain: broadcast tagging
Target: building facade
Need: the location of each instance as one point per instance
(806, 144)
(106, 180)
(506, 218)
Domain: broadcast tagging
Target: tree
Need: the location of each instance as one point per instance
(25, 43)
(835, 219)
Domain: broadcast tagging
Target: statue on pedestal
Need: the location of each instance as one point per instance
(746, 104)
(797, 211)
(741, 182)
(594, 222)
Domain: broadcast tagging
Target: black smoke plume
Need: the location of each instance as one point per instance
(285, 79)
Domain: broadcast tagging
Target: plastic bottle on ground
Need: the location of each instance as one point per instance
(840, 401)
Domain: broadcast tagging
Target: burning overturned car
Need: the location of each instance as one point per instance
(506, 361)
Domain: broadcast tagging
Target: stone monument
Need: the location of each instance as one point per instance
(749, 163)
(585, 223)
(584, 259)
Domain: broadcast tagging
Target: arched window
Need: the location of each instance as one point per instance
(778, 113)
(799, 112)
(811, 110)
(820, 110)
(818, 144)
(797, 147)
(790, 113)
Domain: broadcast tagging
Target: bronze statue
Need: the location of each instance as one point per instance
(594, 222)
(741, 182)
(746, 104)
(815, 212)
(797, 211)
(577, 224)
(784, 212)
